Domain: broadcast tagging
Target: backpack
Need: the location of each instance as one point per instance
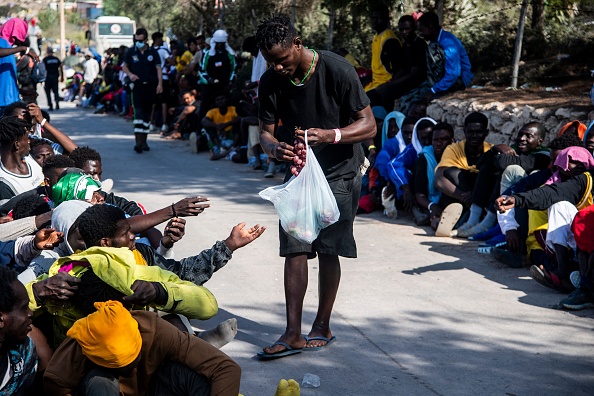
(38, 73)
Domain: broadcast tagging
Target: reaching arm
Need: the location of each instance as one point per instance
(185, 207)
(67, 144)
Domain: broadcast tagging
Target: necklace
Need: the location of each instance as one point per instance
(313, 60)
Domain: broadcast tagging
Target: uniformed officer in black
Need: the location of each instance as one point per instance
(142, 64)
(54, 71)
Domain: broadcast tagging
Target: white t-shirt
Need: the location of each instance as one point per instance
(164, 53)
(91, 67)
(19, 184)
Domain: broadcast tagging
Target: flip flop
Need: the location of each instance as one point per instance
(449, 217)
(320, 338)
(287, 352)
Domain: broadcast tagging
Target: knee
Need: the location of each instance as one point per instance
(99, 382)
(563, 208)
(513, 172)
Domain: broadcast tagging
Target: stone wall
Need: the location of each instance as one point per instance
(504, 119)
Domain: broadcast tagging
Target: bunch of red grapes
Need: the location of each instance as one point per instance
(299, 158)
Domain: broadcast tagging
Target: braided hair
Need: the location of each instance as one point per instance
(277, 30)
(12, 129)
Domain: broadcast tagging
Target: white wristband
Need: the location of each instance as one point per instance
(42, 123)
(338, 136)
(27, 51)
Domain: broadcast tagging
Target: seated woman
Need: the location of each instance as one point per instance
(429, 200)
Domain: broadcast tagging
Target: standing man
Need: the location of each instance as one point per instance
(91, 71)
(385, 49)
(54, 69)
(164, 54)
(318, 91)
(142, 64)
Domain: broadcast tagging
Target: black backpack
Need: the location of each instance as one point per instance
(38, 73)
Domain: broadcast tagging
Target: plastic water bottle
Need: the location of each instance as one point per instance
(310, 381)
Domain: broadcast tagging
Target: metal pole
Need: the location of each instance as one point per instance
(518, 45)
(62, 31)
(293, 6)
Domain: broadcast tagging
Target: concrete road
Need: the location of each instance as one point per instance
(415, 315)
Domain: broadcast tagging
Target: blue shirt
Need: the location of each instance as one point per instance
(457, 63)
(8, 77)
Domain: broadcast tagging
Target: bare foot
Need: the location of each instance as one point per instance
(318, 331)
(295, 342)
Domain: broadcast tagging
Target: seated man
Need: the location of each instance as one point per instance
(496, 167)
(185, 122)
(115, 352)
(89, 160)
(456, 173)
(448, 65)
(429, 200)
(570, 187)
(219, 123)
(19, 172)
(17, 351)
(400, 169)
(41, 149)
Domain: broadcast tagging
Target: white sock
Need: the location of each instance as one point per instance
(489, 221)
(475, 215)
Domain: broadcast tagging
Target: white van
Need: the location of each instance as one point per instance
(110, 32)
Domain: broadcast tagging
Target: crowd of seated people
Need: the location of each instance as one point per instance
(92, 297)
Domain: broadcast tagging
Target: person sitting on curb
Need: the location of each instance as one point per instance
(220, 124)
(115, 351)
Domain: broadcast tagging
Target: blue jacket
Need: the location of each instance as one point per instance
(457, 63)
(7, 254)
(389, 150)
(400, 168)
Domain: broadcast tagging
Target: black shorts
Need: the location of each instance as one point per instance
(337, 239)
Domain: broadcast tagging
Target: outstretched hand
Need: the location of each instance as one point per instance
(48, 238)
(190, 206)
(241, 236)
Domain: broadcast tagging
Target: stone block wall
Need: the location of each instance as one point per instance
(504, 119)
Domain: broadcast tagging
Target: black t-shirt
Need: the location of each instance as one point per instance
(420, 179)
(52, 67)
(414, 54)
(327, 100)
(144, 65)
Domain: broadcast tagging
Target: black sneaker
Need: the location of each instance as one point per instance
(578, 299)
(138, 149)
(145, 147)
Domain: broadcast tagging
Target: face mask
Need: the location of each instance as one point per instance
(140, 44)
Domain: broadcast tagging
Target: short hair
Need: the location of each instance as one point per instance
(383, 10)
(30, 205)
(277, 30)
(81, 155)
(424, 124)
(429, 19)
(142, 31)
(249, 43)
(36, 142)
(156, 35)
(409, 120)
(564, 141)
(99, 221)
(407, 18)
(200, 37)
(476, 118)
(191, 40)
(12, 129)
(187, 91)
(7, 296)
(92, 289)
(444, 126)
(9, 110)
(540, 128)
(57, 161)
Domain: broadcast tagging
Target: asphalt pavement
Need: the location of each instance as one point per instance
(415, 314)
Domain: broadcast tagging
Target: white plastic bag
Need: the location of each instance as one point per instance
(305, 204)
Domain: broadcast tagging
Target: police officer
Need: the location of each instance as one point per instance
(142, 64)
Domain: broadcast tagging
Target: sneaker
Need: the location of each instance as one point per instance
(164, 128)
(389, 205)
(193, 139)
(420, 218)
(578, 299)
(449, 218)
(152, 127)
(106, 185)
(271, 172)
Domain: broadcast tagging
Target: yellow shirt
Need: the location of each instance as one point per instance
(215, 116)
(352, 60)
(455, 156)
(379, 73)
